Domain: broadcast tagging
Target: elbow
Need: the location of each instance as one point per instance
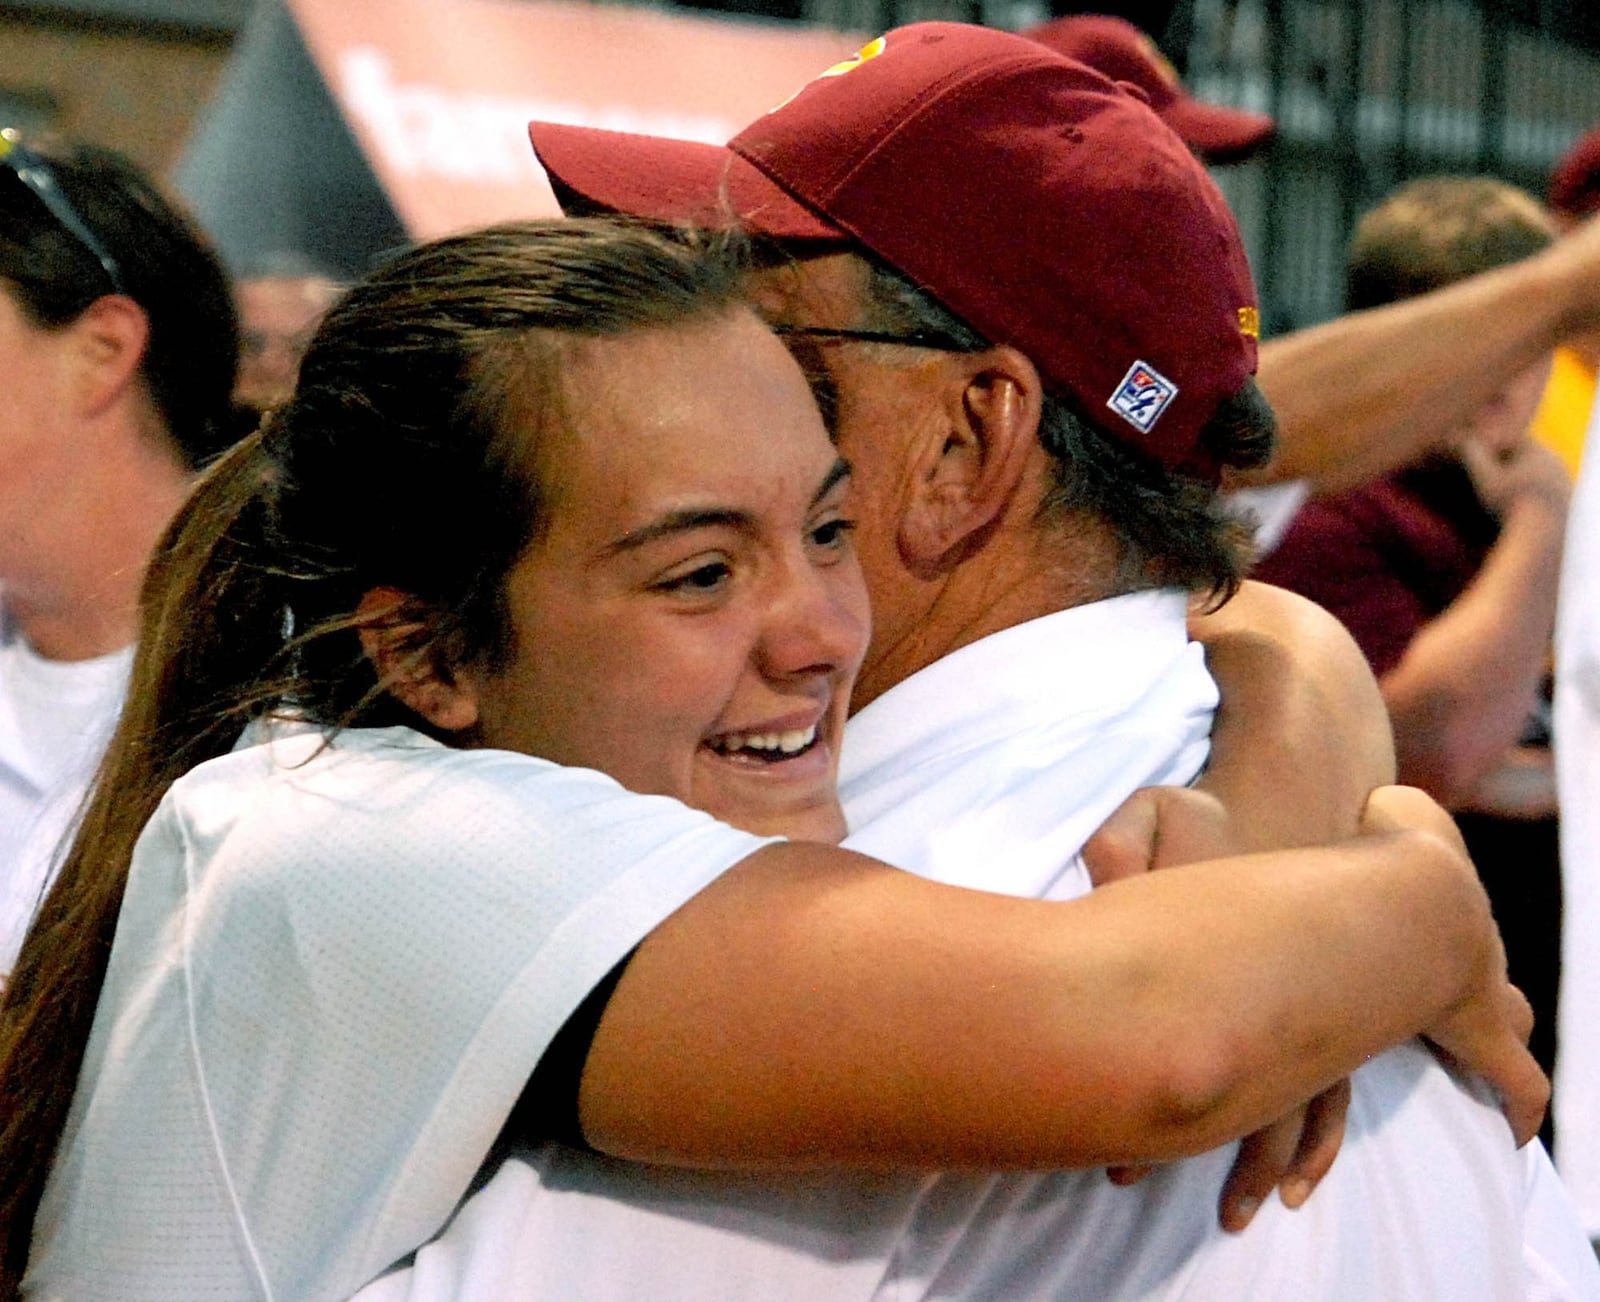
(1208, 1091)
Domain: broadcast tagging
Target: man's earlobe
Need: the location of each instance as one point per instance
(391, 623)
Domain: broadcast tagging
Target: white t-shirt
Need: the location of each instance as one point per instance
(55, 719)
(990, 768)
(334, 970)
(1577, 756)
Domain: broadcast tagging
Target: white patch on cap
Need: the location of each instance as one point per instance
(1142, 396)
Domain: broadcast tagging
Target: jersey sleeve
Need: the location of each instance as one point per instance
(370, 960)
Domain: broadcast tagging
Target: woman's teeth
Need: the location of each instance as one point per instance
(791, 742)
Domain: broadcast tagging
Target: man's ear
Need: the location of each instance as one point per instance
(112, 334)
(967, 475)
(390, 624)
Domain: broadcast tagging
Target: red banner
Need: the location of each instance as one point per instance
(439, 92)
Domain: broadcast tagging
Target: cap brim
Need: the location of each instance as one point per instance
(1216, 133)
(679, 181)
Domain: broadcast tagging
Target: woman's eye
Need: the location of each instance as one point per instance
(702, 579)
(833, 533)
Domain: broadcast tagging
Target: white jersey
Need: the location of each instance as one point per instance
(991, 768)
(335, 968)
(1577, 758)
(55, 719)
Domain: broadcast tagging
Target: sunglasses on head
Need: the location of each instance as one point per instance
(35, 172)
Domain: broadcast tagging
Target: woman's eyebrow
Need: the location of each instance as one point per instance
(830, 481)
(711, 517)
(679, 522)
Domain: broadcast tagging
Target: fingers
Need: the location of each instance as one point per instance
(1524, 1096)
(1263, 1158)
(1292, 1155)
(1126, 1175)
(1319, 1144)
(1407, 809)
(1494, 1046)
(1125, 843)
(1520, 1082)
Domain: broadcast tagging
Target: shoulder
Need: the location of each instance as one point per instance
(390, 810)
(391, 786)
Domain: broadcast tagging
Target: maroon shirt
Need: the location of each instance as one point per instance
(1388, 557)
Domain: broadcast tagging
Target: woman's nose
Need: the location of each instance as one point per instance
(817, 622)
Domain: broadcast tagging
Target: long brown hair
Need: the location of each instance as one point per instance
(403, 460)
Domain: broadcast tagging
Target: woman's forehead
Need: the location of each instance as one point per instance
(695, 411)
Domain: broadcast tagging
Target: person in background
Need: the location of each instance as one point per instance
(1217, 133)
(1446, 573)
(117, 329)
(280, 297)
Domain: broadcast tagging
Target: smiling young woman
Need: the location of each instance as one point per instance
(690, 616)
(549, 500)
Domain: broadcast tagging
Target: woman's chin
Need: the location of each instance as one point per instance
(825, 825)
(801, 806)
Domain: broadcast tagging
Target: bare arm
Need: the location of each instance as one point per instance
(1464, 688)
(815, 1008)
(1302, 735)
(1370, 391)
(1300, 738)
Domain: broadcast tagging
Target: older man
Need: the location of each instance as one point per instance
(1036, 330)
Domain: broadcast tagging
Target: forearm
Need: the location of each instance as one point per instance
(1461, 695)
(1370, 391)
(1302, 734)
(810, 1009)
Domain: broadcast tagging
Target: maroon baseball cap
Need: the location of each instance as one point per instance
(1117, 48)
(1034, 198)
(1575, 183)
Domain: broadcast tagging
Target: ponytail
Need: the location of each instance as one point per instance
(405, 459)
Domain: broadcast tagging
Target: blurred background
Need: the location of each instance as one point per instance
(334, 130)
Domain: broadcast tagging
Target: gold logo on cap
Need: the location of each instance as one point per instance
(871, 50)
(1250, 323)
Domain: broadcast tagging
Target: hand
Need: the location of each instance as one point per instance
(1291, 1155)
(1164, 827)
(1487, 1036)
(1529, 471)
(1484, 1033)
(1159, 827)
